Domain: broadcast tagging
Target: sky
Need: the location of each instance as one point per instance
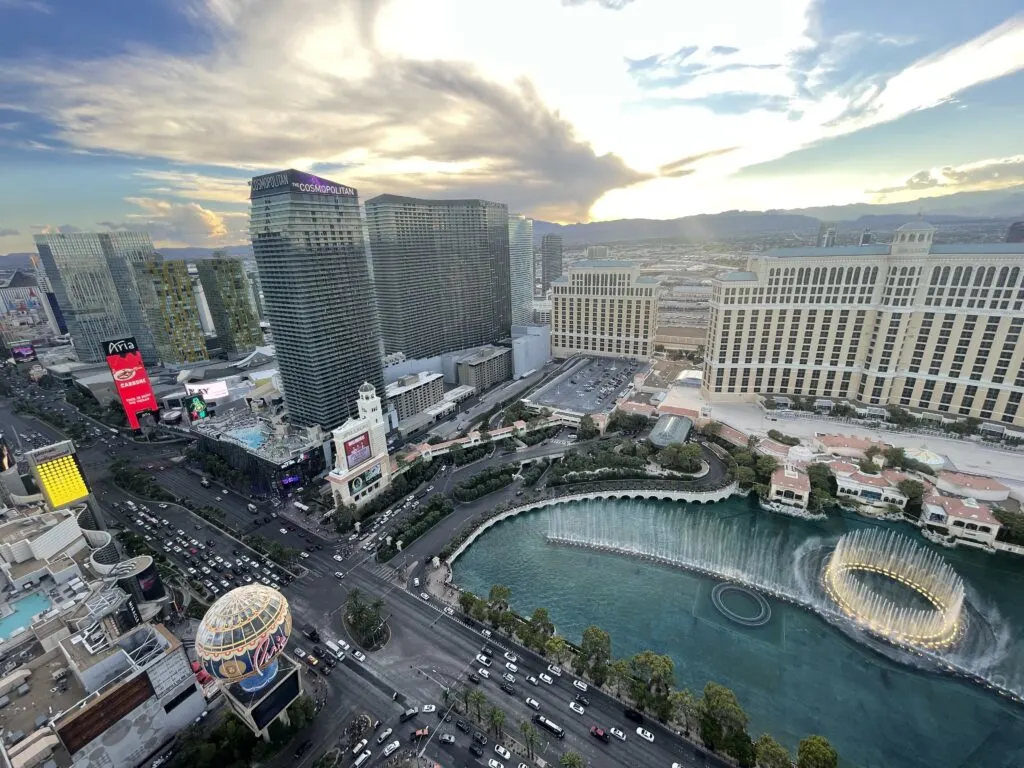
(152, 115)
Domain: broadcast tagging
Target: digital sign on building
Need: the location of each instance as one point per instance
(196, 407)
(369, 477)
(58, 474)
(296, 181)
(125, 362)
(210, 390)
(23, 352)
(357, 450)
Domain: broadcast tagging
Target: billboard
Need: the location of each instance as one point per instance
(150, 585)
(125, 362)
(210, 390)
(60, 479)
(6, 457)
(23, 352)
(369, 477)
(296, 181)
(196, 407)
(357, 450)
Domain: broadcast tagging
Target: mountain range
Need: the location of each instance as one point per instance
(963, 207)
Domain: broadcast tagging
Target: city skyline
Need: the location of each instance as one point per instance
(623, 109)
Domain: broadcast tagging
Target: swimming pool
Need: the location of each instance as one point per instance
(24, 610)
(253, 437)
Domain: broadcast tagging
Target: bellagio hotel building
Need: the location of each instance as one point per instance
(604, 308)
(911, 324)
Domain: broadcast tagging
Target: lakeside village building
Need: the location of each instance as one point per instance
(912, 324)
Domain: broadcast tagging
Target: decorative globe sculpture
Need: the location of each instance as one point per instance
(242, 635)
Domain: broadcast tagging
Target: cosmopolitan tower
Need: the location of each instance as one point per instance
(307, 237)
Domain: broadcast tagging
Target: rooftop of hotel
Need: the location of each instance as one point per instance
(963, 509)
(877, 250)
(791, 478)
(482, 355)
(973, 482)
(410, 382)
(19, 526)
(257, 435)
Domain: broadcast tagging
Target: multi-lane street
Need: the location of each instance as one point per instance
(428, 650)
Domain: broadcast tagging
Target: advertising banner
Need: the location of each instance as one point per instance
(125, 362)
(195, 406)
(23, 352)
(357, 450)
(210, 390)
(369, 477)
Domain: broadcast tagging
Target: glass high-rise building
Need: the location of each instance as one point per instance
(165, 293)
(550, 261)
(307, 236)
(520, 260)
(228, 295)
(441, 269)
(92, 284)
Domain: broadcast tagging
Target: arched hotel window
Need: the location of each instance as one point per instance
(1002, 277)
(944, 277)
(967, 276)
(1014, 276)
(935, 275)
(956, 276)
(990, 276)
(874, 276)
(856, 276)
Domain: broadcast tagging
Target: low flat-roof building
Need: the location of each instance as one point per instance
(790, 486)
(971, 486)
(671, 429)
(485, 367)
(415, 393)
(965, 519)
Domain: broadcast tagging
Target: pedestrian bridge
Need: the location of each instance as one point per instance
(640, 494)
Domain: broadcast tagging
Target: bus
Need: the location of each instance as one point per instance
(301, 507)
(545, 723)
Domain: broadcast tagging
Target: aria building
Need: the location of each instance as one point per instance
(229, 297)
(520, 259)
(604, 309)
(550, 261)
(315, 273)
(442, 273)
(91, 281)
(911, 324)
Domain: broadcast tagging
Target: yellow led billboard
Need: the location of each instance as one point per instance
(61, 481)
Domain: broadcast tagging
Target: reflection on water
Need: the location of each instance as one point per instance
(797, 674)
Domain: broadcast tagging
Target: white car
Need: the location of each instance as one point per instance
(428, 708)
(304, 555)
(580, 685)
(483, 673)
(384, 736)
(485, 632)
(360, 656)
(449, 610)
(508, 678)
(390, 748)
(502, 752)
(576, 708)
(644, 734)
(492, 763)
(617, 734)
(283, 530)
(546, 678)
(511, 667)
(509, 656)
(424, 596)
(339, 575)
(339, 558)
(483, 660)
(533, 704)
(532, 680)
(556, 671)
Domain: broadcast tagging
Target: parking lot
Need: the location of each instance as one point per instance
(589, 388)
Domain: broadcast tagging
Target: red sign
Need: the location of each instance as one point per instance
(130, 379)
(357, 450)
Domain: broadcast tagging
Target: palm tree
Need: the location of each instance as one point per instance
(571, 760)
(530, 737)
(477, 699)
(495, 719)
(464, 694)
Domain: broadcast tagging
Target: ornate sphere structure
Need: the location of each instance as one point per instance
(884, 612)
(242, 635)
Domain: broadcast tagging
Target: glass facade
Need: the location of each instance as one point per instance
(550, 261)
(165, 292)
(520, 258)
(92, 286)
(442, 273)
(307, 236)
(228, 295)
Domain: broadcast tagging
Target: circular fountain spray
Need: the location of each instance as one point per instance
(882, 612)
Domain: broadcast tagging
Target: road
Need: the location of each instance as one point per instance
(427, 650)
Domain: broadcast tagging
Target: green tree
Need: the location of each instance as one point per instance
(530, 737)
(499, 596)
(571, 760)
(495, 720)
(619, 674)
(685, 708)
(595, 653)
(556, 648)
(739, 745)
(301, 712)
(467, 601)
(680, 457)
(464, 696)
(771, 754)
(587, 429)
(764, 466)
(653, 677)
(745, 477)
(914, 491)
(712, 429)
(721, 704)
(816, 752)
(477, 699)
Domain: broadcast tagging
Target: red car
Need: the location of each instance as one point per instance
(599, 733)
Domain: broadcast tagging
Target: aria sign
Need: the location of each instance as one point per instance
(296, 181)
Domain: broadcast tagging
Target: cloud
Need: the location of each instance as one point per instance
(170, 222)
(193, 185)
(724, 50)
(25, 5)
(56, 229)
(612, 5)
(302, 83)
(681, 167)
(1000, 173)
(8, 232)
